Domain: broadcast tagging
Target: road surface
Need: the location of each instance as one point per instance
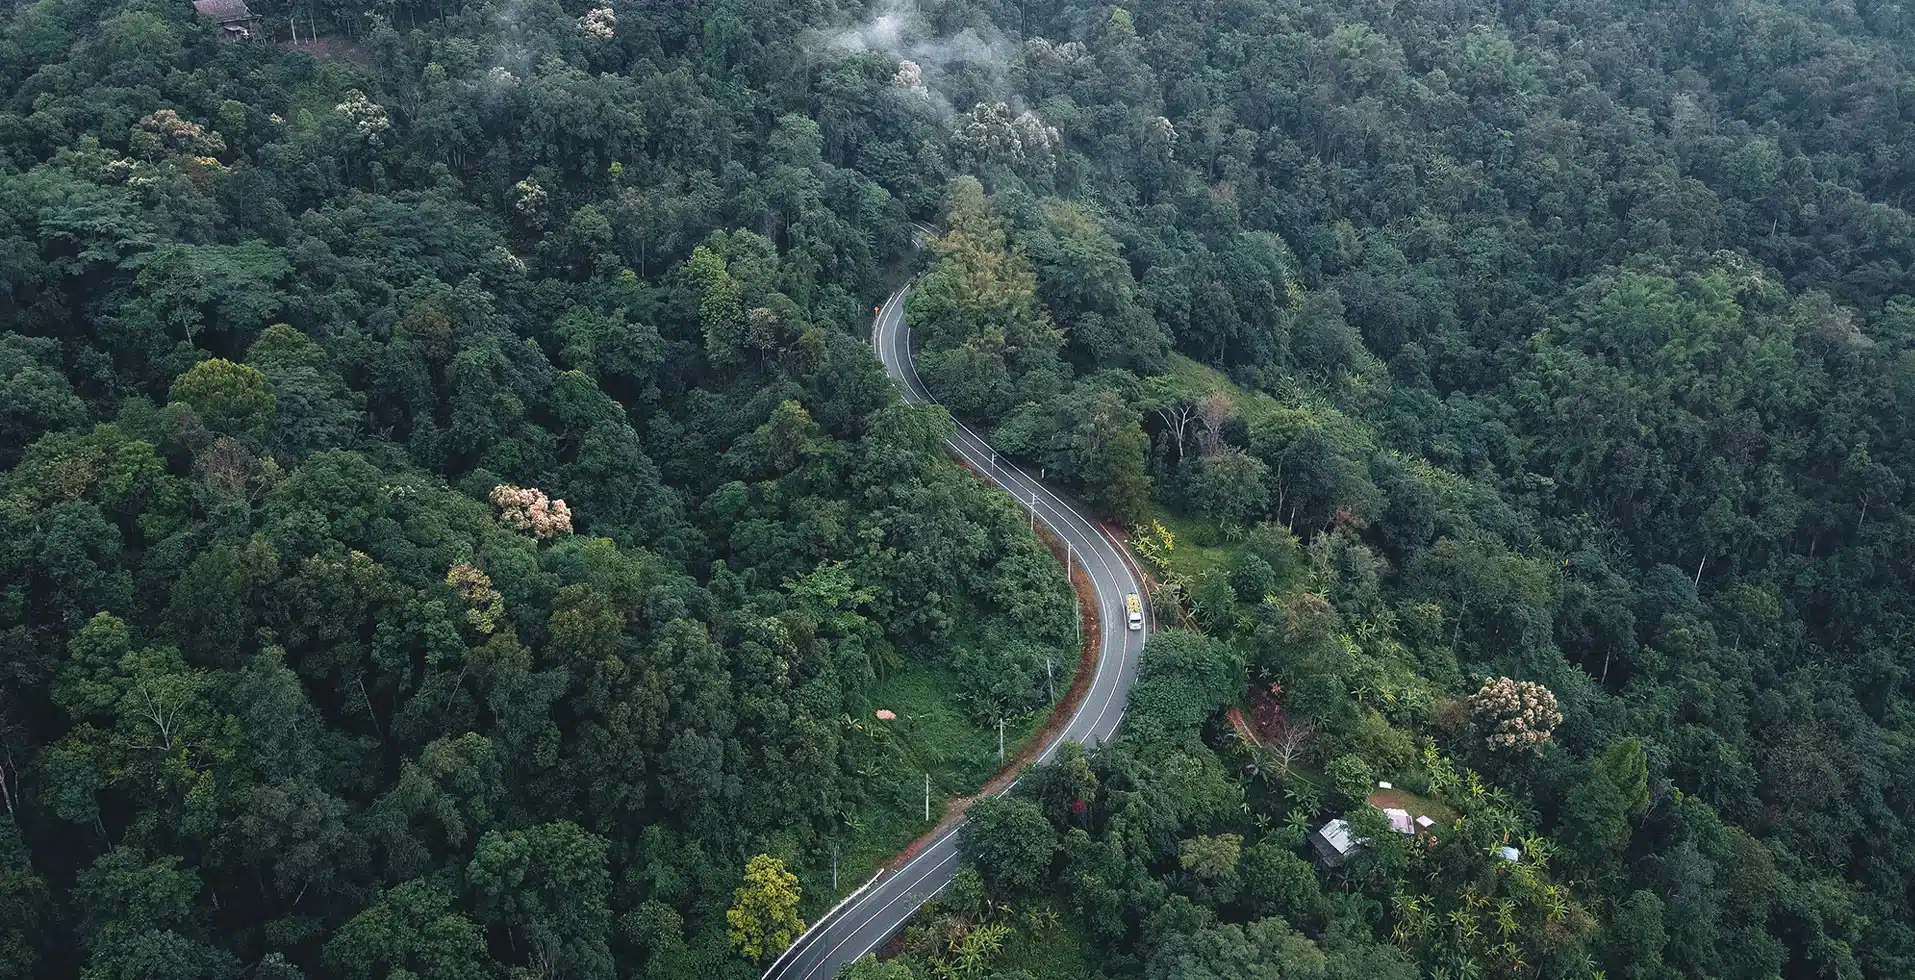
(869, 916)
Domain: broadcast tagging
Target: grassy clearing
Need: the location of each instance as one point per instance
(1301, 407)
(1255, 406)
(1198, 550)
(931, 735)
(1057, 953)
(1417, 804)
(1201, 549)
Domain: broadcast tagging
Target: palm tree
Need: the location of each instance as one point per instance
(1586, 964)
(1463, 924)
(1537, 848)
(1555, 907)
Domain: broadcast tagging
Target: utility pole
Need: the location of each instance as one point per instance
(834, 867)
(1050, 681)
(927, 796)
(1033, 512)
(1000, 741)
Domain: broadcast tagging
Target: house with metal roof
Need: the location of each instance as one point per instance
(233, 18)
(1334, 842)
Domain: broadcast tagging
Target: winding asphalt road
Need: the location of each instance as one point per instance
(870, 915)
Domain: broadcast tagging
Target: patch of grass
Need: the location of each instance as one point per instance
(1198, 549)
(1417, 804)
(932, 734)
(1300, 407)
(1057, 953)
(1255, 406)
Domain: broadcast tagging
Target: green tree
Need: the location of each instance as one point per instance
(23, 908)
(1252, 577)
(312, 408)
(548, 883)
(231, 399)
(1231, 488)
(1266, 949)
(1279, 883)
(35, 397)
(1110, 448)
(1599, 809)
(1625, 765)
(763, 918)
(721, 309)
(412, 929)
(128, 894)
(1184, 678)
(1010, 842)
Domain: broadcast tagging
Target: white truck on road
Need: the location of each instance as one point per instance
(1135, 607)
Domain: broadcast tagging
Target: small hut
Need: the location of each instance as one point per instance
(232, 17)
(1334, 843)
(1399, 819)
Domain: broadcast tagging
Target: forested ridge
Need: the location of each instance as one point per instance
(452, 525)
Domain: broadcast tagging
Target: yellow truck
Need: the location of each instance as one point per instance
(1135, 607)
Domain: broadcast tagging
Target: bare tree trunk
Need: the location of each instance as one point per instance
(1290, 744)
(1177, 419)
(9, 781)
(1216, 410)
(1281, 487)
(370, 713)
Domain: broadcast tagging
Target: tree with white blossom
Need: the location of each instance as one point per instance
(990, 133)
(599, 22)
(367, 117)
(528, 509)
(1514, 714)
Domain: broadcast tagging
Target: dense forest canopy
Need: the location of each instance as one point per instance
(451, 525)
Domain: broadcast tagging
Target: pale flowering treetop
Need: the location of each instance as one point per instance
(504, 257)
(164, 131)
(529, 197)
(910, 75)
(989, 131)
(1159, 128)
(599, 22)
(367, 116)
(1043, 52)
(1515, 714)
(528, 509)
(1037, 137)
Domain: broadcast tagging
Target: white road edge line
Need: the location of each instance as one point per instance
(1062, 520)
(861, 889)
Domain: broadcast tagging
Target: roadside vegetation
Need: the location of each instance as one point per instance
(451, 524)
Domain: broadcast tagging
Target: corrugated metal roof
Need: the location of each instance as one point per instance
(1336, 833)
